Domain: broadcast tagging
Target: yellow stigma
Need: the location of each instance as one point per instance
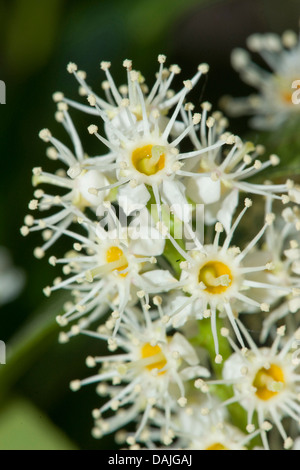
(268, 382)
(153, 357)
(284, 88)
(216, 446)
(286, 96)
(113, 254)
(149, 159)
(216, 276)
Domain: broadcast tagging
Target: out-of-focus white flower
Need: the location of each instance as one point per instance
(282, 251)
(266, 381)
(273, 104)
(11, 278)
(204, 425)
(149, 374)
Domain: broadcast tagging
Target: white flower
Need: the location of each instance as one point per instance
(150, 374)
(147, 161)
(82, 174)
(220, 175)
(281, 250)
(216, 275)
(143, 142)
(265, 380)
(205, 426)
(11, 278)
(109, 267)
(273, 104)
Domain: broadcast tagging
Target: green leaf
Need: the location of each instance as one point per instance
(25, 427)
(29, 38)
(144, 30)
(29, 342)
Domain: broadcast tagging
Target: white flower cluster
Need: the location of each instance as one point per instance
(277, 82)
(172, 240)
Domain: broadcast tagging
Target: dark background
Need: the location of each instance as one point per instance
(37, 40)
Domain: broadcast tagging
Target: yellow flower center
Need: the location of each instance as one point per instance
(286, 96)
(149, 159)
(216, 276)
(114, 254)
(216, 446)
(153, 357)
(268, 382)
(284, 88)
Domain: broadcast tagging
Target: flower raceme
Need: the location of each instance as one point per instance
(142, 286)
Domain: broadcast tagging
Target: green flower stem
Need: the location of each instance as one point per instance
(29, 343)
(170, 253)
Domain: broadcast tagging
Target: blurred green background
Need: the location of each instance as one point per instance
(37, 40)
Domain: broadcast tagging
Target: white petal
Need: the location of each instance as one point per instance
(292, 253)
(295, 195)
(202, 189)
(92, 179)
(228, 207)
(296, 267)
(172, 194)
(147, 241)
(233, 366)
(158, 279)
(190, 373)
(180, 343)
(132, 199)
(294, 305)
(121, 122)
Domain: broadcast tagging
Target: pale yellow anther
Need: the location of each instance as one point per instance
(175, 69)
(275, 160)
(58, 96)
(45, 135)
(72, 67)
(92, 100)
(105, 65)
(161, 58)
(93, 129)
(75, 385)
(188, 84)
(204, 68)
(127, 64)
